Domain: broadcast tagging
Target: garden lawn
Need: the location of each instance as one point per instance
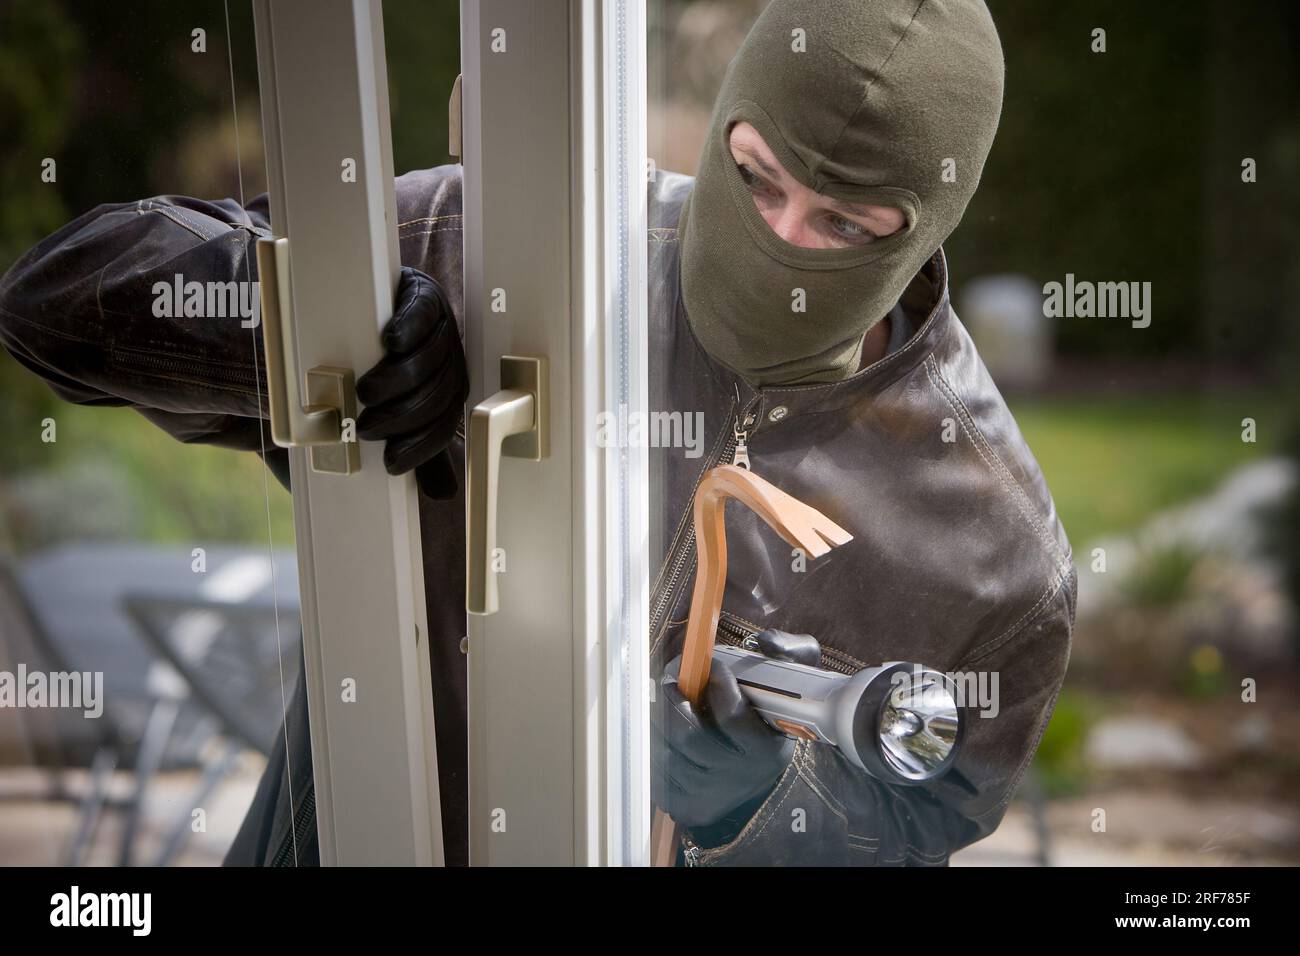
(1114, 461)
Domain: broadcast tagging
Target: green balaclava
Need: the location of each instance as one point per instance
(882, 102)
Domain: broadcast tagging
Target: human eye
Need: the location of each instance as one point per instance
(849, 231)
(756, 183)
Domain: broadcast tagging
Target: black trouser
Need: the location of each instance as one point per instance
(280, 827)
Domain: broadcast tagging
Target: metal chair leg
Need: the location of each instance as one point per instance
(153, 746)
(212, 775)
(92, 804)
(1038, 807)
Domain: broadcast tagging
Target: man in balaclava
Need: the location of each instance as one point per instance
(890, 102)
(873, 102)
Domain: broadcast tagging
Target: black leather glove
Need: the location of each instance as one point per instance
(706, 761)
(415, 394)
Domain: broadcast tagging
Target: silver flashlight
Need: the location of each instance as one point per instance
(899, 722)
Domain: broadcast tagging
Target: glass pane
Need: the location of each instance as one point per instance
(148, 588)
(687, 47)
(1039, 463)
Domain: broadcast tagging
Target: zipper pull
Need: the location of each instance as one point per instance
(690, 853)
(741, 458)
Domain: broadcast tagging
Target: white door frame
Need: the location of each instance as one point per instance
(324, 95)
(553, 119)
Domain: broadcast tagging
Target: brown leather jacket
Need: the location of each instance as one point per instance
(958, 561)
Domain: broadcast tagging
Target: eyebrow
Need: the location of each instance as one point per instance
(854, 209)
(775, 173)
(762, 164)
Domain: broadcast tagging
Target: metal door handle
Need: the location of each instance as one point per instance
(328, 390)
(514, 423)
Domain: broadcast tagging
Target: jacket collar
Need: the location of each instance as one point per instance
(925, 301)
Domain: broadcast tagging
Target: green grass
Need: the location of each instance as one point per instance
(1114, 461)
(1059, 759)
(163, 490)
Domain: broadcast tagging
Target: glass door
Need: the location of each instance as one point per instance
(555, 299)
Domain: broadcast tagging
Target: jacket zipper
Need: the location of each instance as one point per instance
(736, 634)
(302, 820)
(736, 449)
(130, 357)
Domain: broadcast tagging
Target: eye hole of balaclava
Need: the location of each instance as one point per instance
(798, 256)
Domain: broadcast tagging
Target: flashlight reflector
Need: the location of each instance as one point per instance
(918, 724)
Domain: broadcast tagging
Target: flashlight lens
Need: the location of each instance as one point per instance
(918, 724)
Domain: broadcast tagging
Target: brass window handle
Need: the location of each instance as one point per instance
(514, 423)
(313, 416)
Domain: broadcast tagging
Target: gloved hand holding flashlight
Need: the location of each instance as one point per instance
(900, 723)
(709, 759)
(415, 394)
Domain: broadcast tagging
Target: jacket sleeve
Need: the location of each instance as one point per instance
(826, 812)
(79, 308)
